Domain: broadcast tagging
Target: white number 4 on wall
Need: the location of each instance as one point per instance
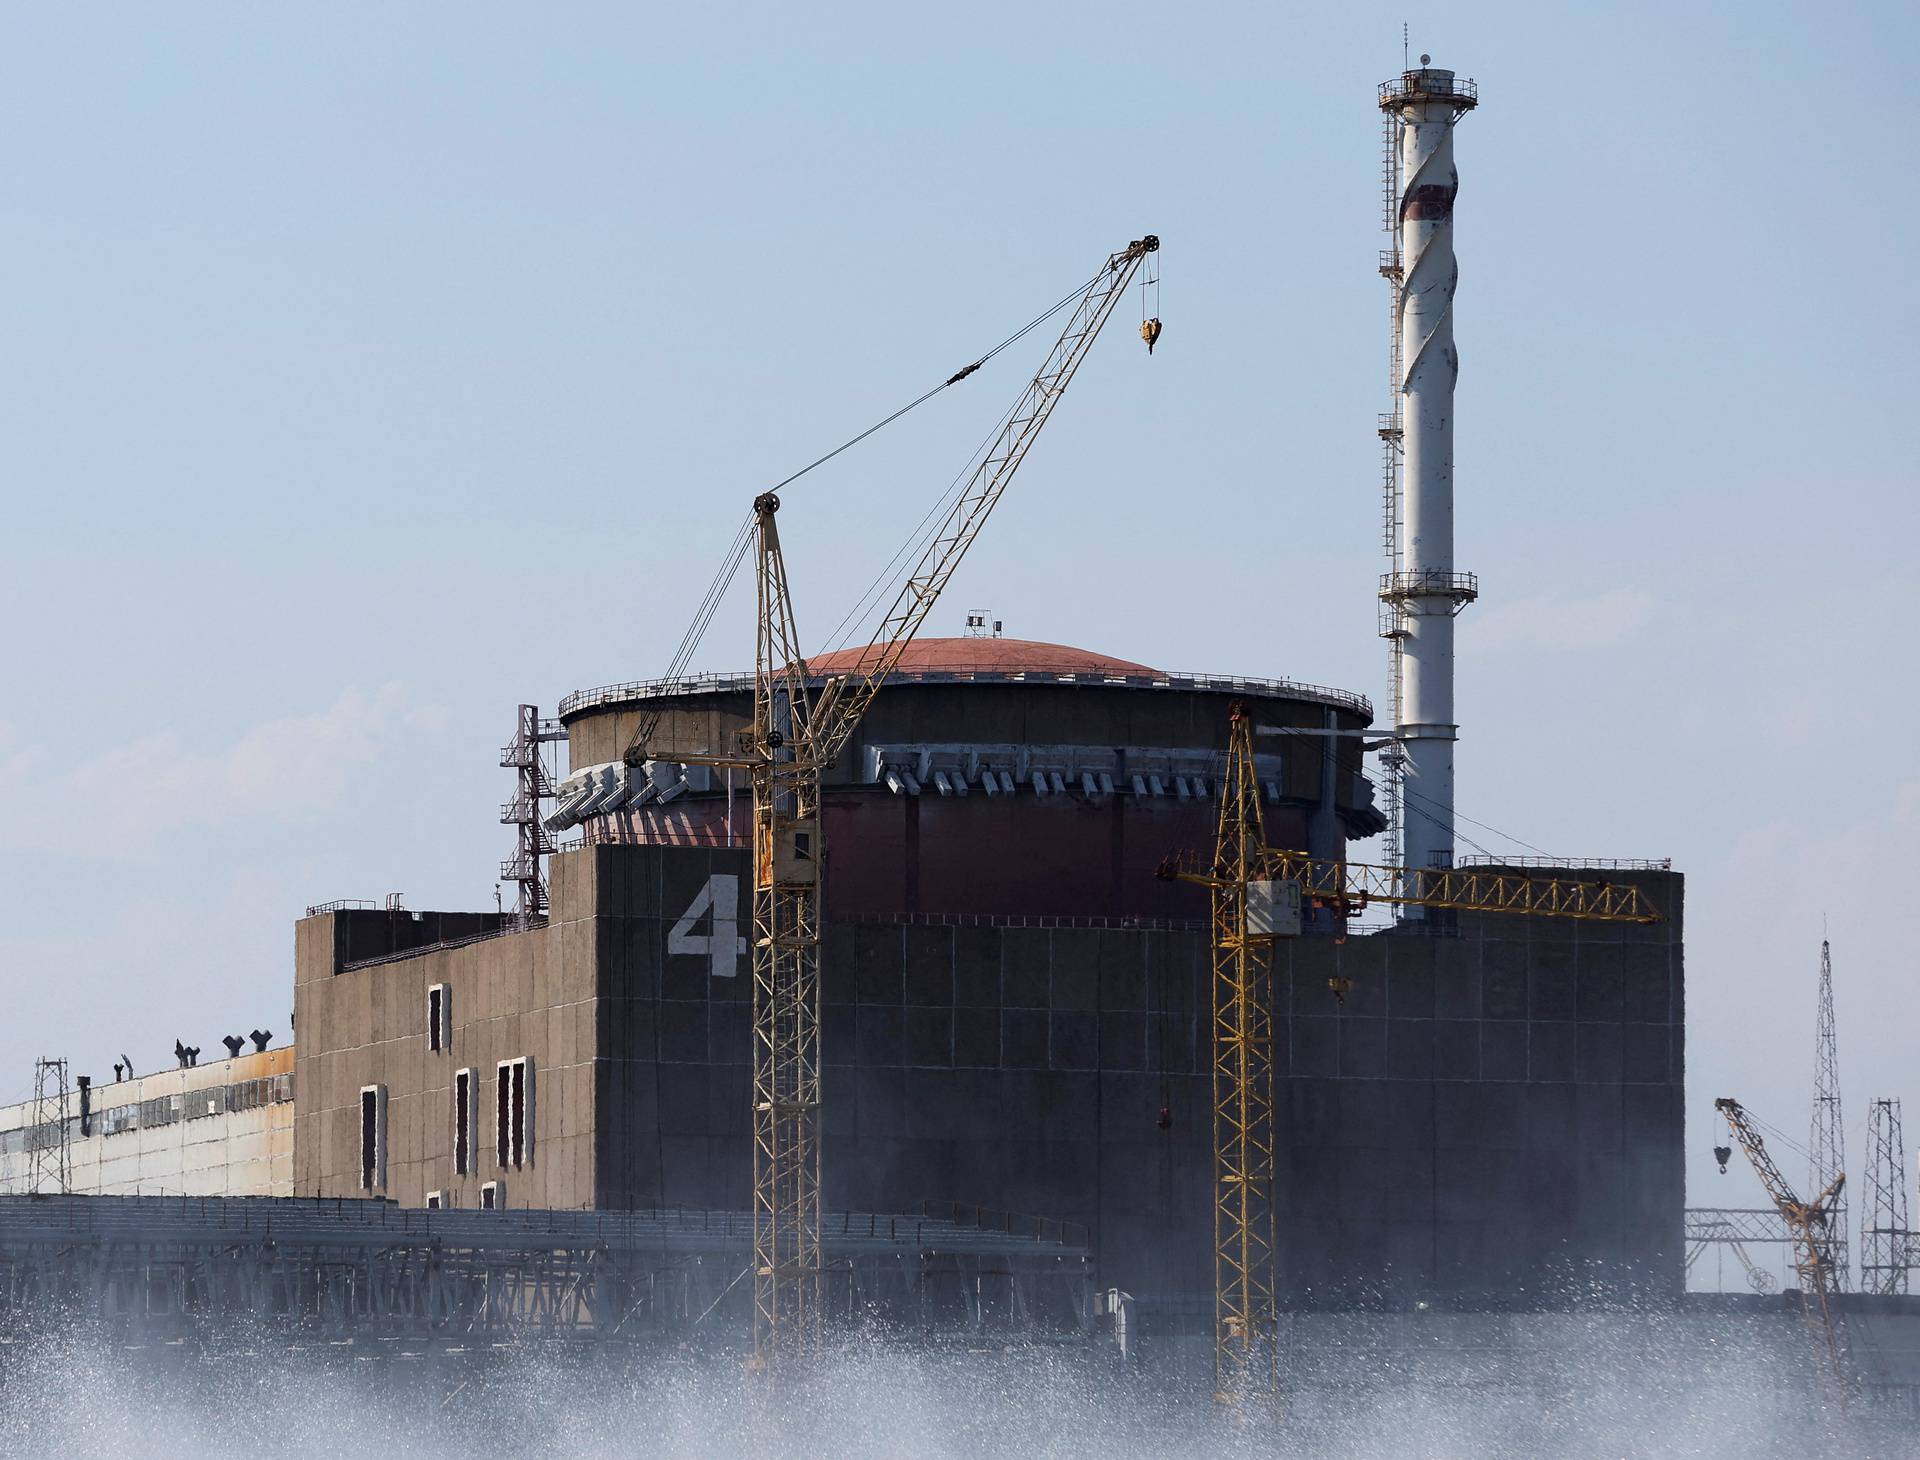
(723, 946)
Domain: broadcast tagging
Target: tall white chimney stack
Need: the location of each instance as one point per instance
(1422, 592)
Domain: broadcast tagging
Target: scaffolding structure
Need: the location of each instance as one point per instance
(49, 1142)
(1736, 1229)
(1828, 1143)
(326, 1271)
(1886, 1244)
(533, 784)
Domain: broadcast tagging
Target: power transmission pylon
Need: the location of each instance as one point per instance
(1884, 1239)
(49, 1152)
(1829, 1137)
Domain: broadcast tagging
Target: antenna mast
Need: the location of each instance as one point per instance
(1829, 1139)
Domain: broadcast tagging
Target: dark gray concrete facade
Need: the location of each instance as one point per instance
(1488, 1117)
(360, 1019)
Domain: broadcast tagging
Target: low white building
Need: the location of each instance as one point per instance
(220, 1129)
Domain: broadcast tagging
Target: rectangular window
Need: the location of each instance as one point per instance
(433, 1201)
(493, 1196)
(373, 1137)
(463, 1122)
(439, 1018)
(513, 1114)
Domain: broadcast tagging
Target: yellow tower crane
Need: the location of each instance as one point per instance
(1258, 893)
(1813, 1259)
(796, 735)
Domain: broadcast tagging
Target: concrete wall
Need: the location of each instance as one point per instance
(513, 996)
(220, 1129)
(1485, 1116)
(673, 1088)
(1488, 1116)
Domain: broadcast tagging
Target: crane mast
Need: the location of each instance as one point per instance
(1813, 1255)
(786, 973)
(1245, 1209)
(1253, 888)
(793, 741)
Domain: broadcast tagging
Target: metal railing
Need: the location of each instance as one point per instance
(1014, 1224)
(341, 904)
(1430, 81)
(1572, 864)
(701, 684)
(1429, 581)
(372, 1221)
(1026, 920)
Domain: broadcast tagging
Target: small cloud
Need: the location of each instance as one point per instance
(289, 771)
(1564, 621)
(1906, 802)
(1761, 845)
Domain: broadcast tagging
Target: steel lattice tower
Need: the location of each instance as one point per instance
(49, 1151)
(1884, 1238)
(786, 976)
(1828, 1143)
(1245, 1335)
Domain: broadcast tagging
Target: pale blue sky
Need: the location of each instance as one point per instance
(373, 368)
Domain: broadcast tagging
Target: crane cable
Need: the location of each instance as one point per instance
(916, 542)
(1458, 816)
(918, 539)
(1408, 793)
(743, 539)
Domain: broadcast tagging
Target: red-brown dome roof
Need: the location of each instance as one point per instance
(989, 656)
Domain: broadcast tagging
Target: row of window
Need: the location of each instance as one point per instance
(167, 1110)
(512, 1123)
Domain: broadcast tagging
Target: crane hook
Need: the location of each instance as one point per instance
(1150, 332)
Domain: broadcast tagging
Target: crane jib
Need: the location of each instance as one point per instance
(796, 743)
